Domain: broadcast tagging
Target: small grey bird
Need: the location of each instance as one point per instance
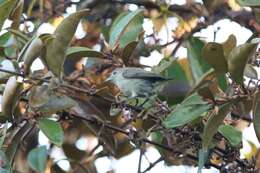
(136, 82)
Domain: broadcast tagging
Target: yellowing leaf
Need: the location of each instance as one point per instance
(5, 10)
(214, 55)
(229, 44)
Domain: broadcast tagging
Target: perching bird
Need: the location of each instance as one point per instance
(136, 82)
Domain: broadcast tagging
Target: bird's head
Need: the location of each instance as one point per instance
(115, 76)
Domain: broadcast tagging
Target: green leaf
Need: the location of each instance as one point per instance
(198, 65)
(52, 130)
(237, 61)
(56, 49)
(249, 2)
(214, 55)
(5, 10)
(212, 125)
(190, 109)
(4, 38)
(78, 52)
(126, 29)
(231, 134)
(37, 159)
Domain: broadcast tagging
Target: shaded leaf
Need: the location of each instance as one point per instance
(231, 134)
(256, 115)
(250, 72)
(52, 130)
(79, 52)
(229, 44)
(39, 96)
(37, 159)
(32, 51)
(212, 125)
(56, 49)
(10, 97)
(5, 10)
(128, 50)
(237, 61)
(198, 65)
(190, 109)
(214, 55)
(126, 28)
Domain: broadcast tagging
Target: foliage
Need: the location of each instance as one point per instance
(195, 119)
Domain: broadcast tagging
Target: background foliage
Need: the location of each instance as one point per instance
(196, 120)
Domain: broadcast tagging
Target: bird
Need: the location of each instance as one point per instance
(136, 82)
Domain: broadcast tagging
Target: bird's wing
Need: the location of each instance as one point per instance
(142, 74)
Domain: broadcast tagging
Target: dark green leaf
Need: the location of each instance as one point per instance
(52, 130)
(126, 29)
(128, 50)
(58, 45)
(79, 52)
(198, 65)
(231, 134)
(37, 159)
(212, 125)
(190, 109)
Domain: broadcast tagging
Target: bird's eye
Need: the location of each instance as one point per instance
(114, 73)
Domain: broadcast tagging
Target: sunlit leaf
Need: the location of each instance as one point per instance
(126, 28)
(190, 109)
(37, 159)
(231, 134)
(56, 49)
(237, 61)
(52, 130)
(249, 2)
(198, 64)
(212, 125)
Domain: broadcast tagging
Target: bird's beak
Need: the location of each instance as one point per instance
(108, 79)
